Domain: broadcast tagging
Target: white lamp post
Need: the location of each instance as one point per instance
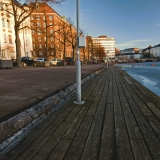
(78, 63)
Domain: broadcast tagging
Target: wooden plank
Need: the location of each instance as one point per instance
(59, 133)
(107, 145)
(77, 146)
(140, 150)
(92, 144)
(151, 140)
(123, 146)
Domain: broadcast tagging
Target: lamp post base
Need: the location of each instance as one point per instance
(79, 103)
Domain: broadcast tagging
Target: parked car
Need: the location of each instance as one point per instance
(40, 59)
(28, 61)
(69, 60)
(54, 61)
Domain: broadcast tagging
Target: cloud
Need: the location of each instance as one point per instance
(131, 44)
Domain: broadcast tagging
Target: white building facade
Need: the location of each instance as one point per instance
(7, 35)
(107, 43)
(155, 51)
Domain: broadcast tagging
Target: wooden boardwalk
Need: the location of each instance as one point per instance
(120, 120)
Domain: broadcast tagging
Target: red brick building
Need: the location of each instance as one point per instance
(50, 33)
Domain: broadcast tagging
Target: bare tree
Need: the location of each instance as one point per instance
(72, 39)
(21, 13)
(98, 52)
(62, 35)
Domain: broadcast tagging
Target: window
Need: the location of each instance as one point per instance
(1, 6)
(26, 42)
(3, 22)
(10, 39)
(51, 24)
(38, 17)
(50, 17)
(4, 38)
(39, 32)
(40, 45)
(52, 38)
(3, 53)
(33, 31)
(38, 24)
(44, 17)
(52, 45)
(44, 24)
(34, 46)
(32, 18)
(51, 31)
(32, 24)
(9, 24)
(39, 39)
(33, 39)
(40, 53)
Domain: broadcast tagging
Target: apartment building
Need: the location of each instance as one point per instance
(7, 33)
(49, 33)
(155, 51)
(107, 43)
(130, 51)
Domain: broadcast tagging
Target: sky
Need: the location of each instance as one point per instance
(133, 23)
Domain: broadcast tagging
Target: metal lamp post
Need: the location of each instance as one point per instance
(78, 63)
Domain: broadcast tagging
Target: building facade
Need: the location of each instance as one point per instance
(107, 43)
(130, 51)
(50, 33)
(155, 51)
(7, 33)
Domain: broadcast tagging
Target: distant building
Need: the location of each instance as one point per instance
(117, 51)
(155, 51)
(107, 43)
(129, 51)
(146, 52)
(128, 54)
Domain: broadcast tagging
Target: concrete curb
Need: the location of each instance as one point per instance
(13, 125)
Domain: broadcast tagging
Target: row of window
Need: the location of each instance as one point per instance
(43, 24)
(41, 53)
(40, 39)
(9, 38)
(41, 17)
(40, 45)
(4, 23)
(40, 32)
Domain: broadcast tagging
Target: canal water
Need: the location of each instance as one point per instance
(147, 73)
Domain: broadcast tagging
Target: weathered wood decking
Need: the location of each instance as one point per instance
(120, 120)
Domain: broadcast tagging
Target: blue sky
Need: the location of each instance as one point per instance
(133, 23)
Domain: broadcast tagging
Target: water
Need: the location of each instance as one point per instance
(147, 73)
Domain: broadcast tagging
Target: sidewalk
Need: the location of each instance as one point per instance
(119, 120)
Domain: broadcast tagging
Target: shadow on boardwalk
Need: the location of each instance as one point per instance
(119, 120)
